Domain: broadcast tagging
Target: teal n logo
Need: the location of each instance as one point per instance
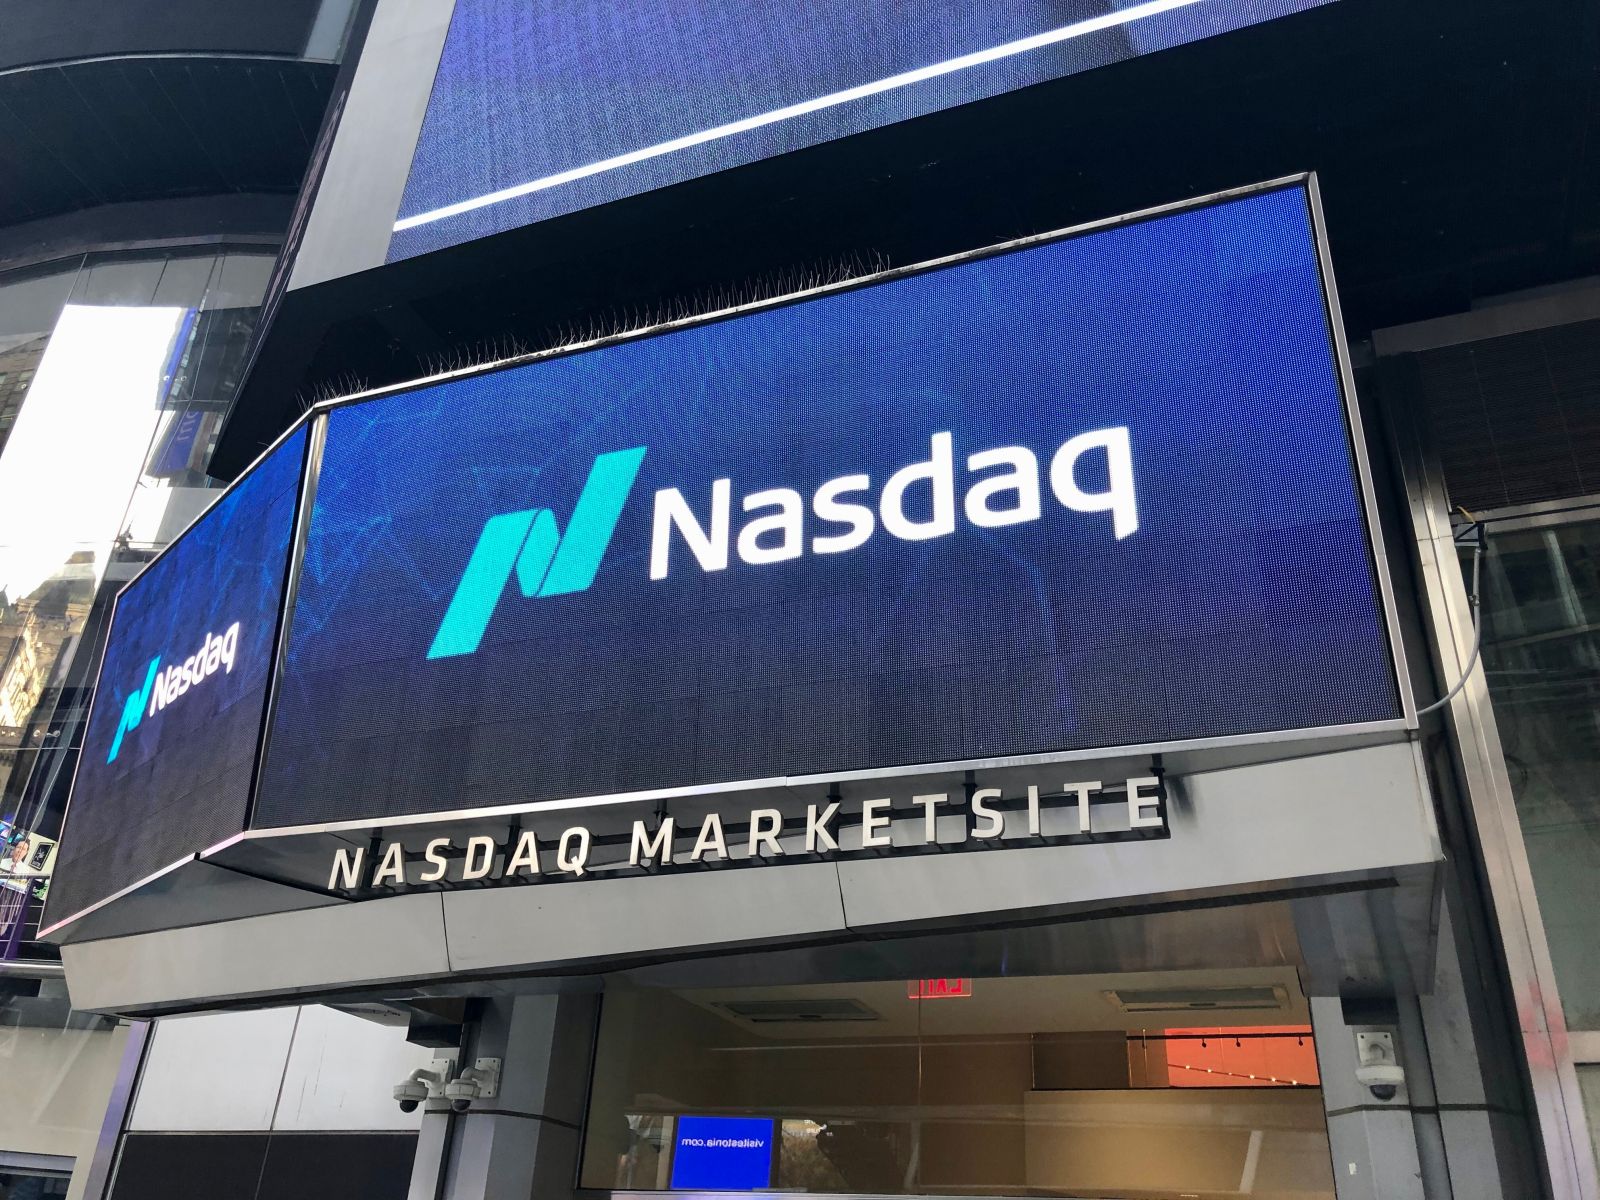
(133, 708)
(545, 561)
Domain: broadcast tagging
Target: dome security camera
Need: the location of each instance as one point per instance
(1383, 1080)
(1378, 1067)
(422, 1084)
(479, 1081)
(461, 1092)
(410, 1094)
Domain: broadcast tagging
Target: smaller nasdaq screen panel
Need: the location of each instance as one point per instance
(171, 743)
(1092, 491)
(541, 109)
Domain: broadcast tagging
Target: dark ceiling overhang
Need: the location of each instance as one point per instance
(127, 129)
(1454, 145)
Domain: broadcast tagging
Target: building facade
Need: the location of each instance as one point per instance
(152, 154)
(773, 599)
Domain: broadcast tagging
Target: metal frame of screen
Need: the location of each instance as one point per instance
(1377, 558)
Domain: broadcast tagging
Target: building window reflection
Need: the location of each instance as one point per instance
(1541, 651)
(115, 373)
(1040, 1086)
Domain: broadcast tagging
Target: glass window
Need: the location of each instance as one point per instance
(115, 373)
(1019, 1086)
(32, 1185)
(60, 1067)
(1589, 1086)
(1541, 652)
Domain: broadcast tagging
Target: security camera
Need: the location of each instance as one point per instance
(461, 1091)
(479, 1081)
(1383, 1080)
(422, 1084)
(1377, 1066)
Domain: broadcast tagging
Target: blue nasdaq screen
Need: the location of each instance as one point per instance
(543, 109)
(723, 1154)
(170, 749)
(1095, 491)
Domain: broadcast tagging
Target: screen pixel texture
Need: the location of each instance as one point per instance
(180, 781)
(1245, 602)
(526, 91)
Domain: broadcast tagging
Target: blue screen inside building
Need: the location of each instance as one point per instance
(723, 1154)
(1093, 492)
(543, 109)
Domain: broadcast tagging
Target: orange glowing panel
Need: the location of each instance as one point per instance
(937, 989)
(1246, 1056)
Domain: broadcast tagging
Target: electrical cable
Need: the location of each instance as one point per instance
(1472, 662)
(1477, 625)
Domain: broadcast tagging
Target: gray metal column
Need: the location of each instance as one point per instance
(524, 1142)
(1373, 1142)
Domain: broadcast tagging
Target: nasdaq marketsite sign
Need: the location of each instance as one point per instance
(564, 845)
(1095, 492)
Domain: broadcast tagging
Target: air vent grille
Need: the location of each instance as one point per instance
(798, 1011)
(1167, 1000)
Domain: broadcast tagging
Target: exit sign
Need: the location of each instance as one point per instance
(938, 989)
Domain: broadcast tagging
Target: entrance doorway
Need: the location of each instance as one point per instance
(1130, 1086)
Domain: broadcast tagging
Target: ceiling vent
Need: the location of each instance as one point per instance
(797, 1011)
(1184, 1000)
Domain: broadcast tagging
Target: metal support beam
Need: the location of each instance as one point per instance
(526, 1140)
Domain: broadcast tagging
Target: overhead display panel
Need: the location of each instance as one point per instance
(1095, 490)
(543, 109)
(170, 750)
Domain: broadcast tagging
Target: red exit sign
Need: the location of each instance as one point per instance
(937, 989)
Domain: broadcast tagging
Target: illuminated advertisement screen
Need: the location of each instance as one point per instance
(171, 742)
(1094, 491)
(543, 109)
(723, 1154)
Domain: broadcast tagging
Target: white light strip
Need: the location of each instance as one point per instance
(831, 100)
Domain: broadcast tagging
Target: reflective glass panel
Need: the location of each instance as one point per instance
(1055, 1086)
(1541, 651)
(115, 373)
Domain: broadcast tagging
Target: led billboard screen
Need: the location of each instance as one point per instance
(1092, 491)
(543, 109)
(168, 755)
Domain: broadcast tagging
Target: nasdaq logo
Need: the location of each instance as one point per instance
(133, 708)
(217, 653)
(1002, 486)
(530, 545)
